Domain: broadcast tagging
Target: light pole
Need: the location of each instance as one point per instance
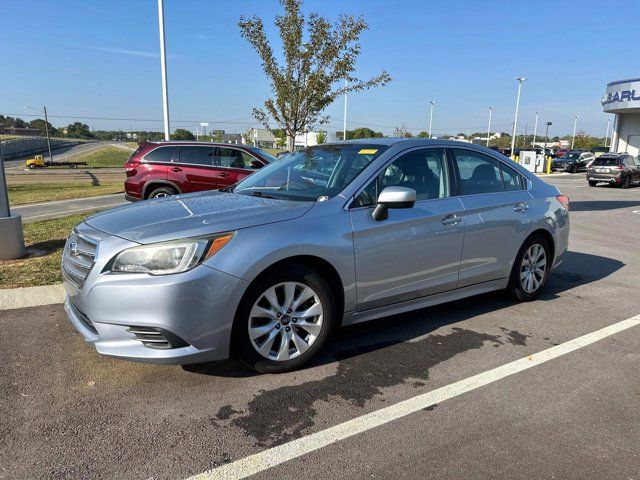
(575, 123)
(432, 102)
(46, 128)
(515, 120)
(606, 136)
(489, 126)
(163, 66)
(535, 130)
(11, 236)
(546, 135)
(344, 119)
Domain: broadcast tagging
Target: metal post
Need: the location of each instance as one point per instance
(432, 102)
(344, 119)
(575, 123)
(489, 126)
(535, 130)
(515, 121)
(46, 129)
(4, 191)
(163, 66)
(606, 136)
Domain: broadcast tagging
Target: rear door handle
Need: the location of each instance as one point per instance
(521, 207)
(223, 174)
(176, 169)
(452, 219)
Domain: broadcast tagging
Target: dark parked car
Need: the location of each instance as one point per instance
(615, 169)
(161, 169)
(597, 151)
(561, 152)
(573, 161)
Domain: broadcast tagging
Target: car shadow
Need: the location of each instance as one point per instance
(602, 205)
(576, 270)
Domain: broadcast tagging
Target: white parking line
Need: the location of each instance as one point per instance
(283, 453)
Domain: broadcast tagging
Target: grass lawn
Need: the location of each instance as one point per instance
(44, 192)
(104, 158)
(44, 241)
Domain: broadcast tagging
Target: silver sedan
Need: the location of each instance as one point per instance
(332, 235)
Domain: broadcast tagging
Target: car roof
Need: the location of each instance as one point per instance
(614, 155)
(410, 142)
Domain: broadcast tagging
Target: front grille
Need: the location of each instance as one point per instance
(78, 257)
(80, 315)
(157, 338)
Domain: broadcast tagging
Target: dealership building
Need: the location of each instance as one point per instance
(623, 99)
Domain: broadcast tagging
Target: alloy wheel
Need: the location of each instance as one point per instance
(533, 268)
(285, 321)
(161, 195)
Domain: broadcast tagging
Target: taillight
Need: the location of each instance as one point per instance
(564, 200)
(620, 167)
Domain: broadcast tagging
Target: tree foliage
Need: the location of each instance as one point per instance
(182, 134)
(317, 58)
(321, 137)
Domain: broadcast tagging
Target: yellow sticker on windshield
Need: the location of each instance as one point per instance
(368, 151)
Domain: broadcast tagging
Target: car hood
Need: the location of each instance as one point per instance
(193, 215)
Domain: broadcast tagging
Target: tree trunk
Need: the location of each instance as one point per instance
(291, 141)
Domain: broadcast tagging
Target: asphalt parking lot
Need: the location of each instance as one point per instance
(66, 412)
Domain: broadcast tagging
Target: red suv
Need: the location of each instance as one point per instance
(160, 169)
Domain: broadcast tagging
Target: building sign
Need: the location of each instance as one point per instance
(622, 96)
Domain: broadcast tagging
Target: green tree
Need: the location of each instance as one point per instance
(321, 137)
(182, 134)
(423, 135)
(78, 130)
(402, 131)
(363, 133)
(39, 123)
(313, 72)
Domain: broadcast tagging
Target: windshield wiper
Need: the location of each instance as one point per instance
(257, 193)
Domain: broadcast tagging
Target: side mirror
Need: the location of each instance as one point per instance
(393, 197)
(256, 164)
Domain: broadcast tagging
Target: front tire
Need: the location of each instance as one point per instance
(627, 182)
(592, 183)
(284, 320)
(530, 269)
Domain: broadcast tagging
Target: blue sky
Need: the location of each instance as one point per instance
(100, 59)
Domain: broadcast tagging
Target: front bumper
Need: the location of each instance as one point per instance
(196, 307)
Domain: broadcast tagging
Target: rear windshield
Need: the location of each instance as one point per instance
(607, 162)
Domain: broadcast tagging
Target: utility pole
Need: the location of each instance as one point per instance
(515, 121)
(524, 141)
(46, 129)
(344, 119)
(575, 123)
(489, 126)
(535, 130)
(163, 66)
(432, 102)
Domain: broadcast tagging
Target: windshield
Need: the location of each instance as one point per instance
(320, 171)
(266, 155)
(571, 156)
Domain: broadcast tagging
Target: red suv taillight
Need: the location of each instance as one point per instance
(564, 200)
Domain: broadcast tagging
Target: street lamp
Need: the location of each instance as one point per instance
(432, 102)
(515, 120)
(344, 118)
(546, 135)
(46, 128)
(163, 66)
(489, 126)
(575, 123)
(535, 130)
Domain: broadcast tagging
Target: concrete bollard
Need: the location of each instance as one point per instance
(11, 237)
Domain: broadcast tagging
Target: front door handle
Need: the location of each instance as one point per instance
(521, 207)
(176, 169)
(452, 219)
(223, 174)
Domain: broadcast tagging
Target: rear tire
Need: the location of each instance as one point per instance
(162, 192)
(592, 183)
(32, 166)
(530, 269)
(266, 325)
(626, 182)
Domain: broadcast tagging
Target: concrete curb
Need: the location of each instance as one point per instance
(31, 296)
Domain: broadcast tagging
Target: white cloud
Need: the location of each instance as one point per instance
(124, 51)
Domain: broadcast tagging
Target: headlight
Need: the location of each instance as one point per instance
(169, 257)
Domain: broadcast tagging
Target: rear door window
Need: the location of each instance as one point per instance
(162, 154)
(229, 157)
(512, 179)
(478, 173)
(192, 155)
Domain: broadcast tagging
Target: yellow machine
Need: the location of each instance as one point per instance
(35, 162)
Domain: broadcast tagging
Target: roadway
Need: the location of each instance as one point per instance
(60, 208)
(569, 412)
